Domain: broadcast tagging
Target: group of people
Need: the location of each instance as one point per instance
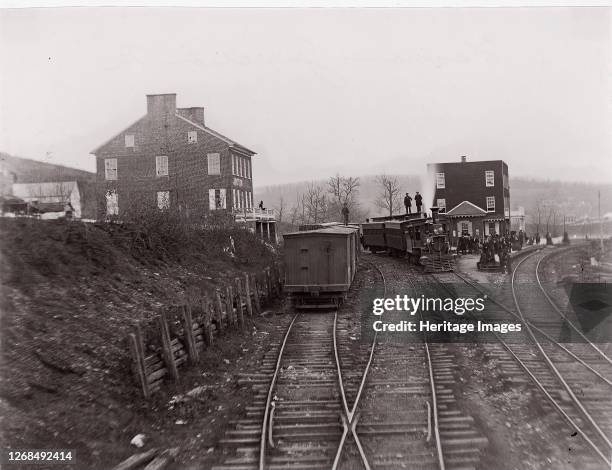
(418, 200)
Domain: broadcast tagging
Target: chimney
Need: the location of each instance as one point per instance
(463, 159)
(434, 214)
(161, 105)
(193, 114)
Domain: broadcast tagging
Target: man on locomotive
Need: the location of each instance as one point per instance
(418, 199)
(408, 203)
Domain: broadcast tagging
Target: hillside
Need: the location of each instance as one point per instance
(32, 171)
(70, 294)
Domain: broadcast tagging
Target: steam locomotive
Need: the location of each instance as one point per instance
(421, 239)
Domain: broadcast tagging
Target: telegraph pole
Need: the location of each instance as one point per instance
(600, 220)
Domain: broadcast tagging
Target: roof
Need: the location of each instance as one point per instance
(233, 144)
(216, 134)
(336, 230)
(58, 189)
(466, 209)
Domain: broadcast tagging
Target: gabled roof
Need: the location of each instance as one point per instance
(227, 140)
(466, 209)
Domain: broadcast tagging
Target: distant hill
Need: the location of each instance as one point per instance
(569, 198)
(24, 170)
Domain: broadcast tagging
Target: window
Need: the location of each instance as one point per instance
(441, 205)
(216, 199)
(214, 164)
(192, 137)
(248, 168)
(440, 181)
(112, 203)
(490, 203)
(240, 172)
(163, 200)
(465, 228)
(489, 178)
(161, 165)
(110, 168)
(233, 164)
(129, 140)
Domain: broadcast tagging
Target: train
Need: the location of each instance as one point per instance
(320, 264)
(421, 239)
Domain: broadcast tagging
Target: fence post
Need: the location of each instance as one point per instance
(167, 355)
(247, 295)
(268, 284)
(229, 305)
(206, 323)
(188, 334)
(139, 364)
(219, 305)
(256, 294)
(239, 306)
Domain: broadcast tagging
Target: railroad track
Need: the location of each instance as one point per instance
(325, 401)
(576, 378)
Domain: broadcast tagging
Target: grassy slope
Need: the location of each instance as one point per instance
(69, 295)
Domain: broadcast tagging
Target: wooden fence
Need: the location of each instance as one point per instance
(178, 338)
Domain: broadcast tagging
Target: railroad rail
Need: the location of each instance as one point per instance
(579, 394)
(323, 391)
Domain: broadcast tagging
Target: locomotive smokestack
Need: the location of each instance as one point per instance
(434, 213)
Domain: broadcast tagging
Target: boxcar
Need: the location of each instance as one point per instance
(374, 236)
(320, 265)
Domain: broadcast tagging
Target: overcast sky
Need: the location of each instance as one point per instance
(319, 91)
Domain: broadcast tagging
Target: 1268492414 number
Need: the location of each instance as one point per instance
(42, 456)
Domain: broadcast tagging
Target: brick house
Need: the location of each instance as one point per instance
(170, 160)
(475, 196)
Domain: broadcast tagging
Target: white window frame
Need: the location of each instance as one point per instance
(489, 179)
(112, 202)
(440, 181)
(240, 172)
(110, 169)
(214, 163)
(212, 199)
(490, 208)
(163, 200)
(130, 141)
(192, 137)
(248, 168)
(233, 164)
(441, 203)
(161, 165)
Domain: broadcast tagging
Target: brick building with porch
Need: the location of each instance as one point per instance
(475, 196)
(170, 160)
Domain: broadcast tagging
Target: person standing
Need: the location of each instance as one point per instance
(345, 213)
(418, 199)
(408, 203)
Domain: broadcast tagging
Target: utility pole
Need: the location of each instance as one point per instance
(600, 220)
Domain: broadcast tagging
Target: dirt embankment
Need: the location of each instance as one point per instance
(70, 294)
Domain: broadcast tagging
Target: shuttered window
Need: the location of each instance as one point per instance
(129, 140)
(112, 203)
(192, 137)
(110, 168)
(489, 178)
(161, 165)
(163, 200)
(214, 164)
(440, 181)
(217, 199)
(442, 205)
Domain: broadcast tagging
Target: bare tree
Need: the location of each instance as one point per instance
(315, 203)
(280, 209)
(390, 194)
